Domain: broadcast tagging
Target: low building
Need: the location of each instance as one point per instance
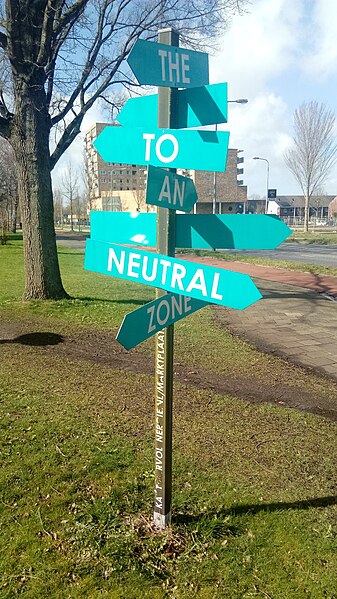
(332, 214)
(291, 208)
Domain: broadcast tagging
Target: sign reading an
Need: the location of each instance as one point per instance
(206, 283)
(146, 321)
(170, 190)
(171, 148)
(168, 66)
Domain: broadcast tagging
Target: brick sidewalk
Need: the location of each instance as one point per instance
(294, 319)
(318, 283)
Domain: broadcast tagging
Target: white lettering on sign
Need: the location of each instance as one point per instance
(172, 62)
(199, 275)
(178, 191)
(172, 275)
(185, 67)
(133, 264)
(166, 311)
(165, 137)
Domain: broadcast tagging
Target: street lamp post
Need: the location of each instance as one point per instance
(267, 161)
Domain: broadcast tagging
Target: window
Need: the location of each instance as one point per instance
(103, 172)
(112, 203)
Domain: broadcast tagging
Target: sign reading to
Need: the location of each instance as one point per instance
(168, 66)
(154, 316)
(170, 190)
(201, 150)
(197, 107)
(205, 283)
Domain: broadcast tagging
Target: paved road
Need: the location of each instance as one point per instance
(325, 255)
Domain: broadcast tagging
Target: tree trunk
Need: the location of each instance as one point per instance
(30, 138)
(14, 215)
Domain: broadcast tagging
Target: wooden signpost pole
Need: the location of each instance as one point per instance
(167, 114)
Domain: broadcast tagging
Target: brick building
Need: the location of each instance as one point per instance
(221, 193)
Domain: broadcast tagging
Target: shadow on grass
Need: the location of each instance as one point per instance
(36, 339)
(256, 508)
(112, 301)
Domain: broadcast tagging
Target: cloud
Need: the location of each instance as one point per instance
(320, 59)
(258, 46)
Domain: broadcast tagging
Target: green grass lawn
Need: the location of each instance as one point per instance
(321, 237)
(254, 497)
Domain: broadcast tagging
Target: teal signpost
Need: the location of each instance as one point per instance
(170, 190)
(197, 107)
(153, 135)
(168, 66)
(170, 148)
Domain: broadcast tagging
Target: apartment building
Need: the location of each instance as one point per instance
(112, 185)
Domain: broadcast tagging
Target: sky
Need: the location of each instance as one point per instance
(279, 54)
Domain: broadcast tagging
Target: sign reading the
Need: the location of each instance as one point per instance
(196, 107)
(154, 316)
(168, 66)
(206, 283)
(171, 148)
(170, 190)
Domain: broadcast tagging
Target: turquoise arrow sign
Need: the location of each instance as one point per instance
(170, 190)
(197, 231)
(144, 322)
(200, 150)
(195, 107)
(206, 283)
(168, 66)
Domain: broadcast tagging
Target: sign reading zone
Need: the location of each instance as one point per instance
(154, 316)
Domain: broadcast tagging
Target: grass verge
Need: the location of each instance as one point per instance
(254, 485)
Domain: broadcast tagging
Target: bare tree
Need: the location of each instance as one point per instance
(9, 198)
(57, 58)
(70, 190)
(58, 206)
(314, 150)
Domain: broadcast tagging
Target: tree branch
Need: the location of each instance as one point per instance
(3, 40)
(4, 127)
(72, 14)
(69, 134)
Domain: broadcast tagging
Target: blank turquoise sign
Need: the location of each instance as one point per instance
(195, 107)
(231, 231)
(205, 283)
